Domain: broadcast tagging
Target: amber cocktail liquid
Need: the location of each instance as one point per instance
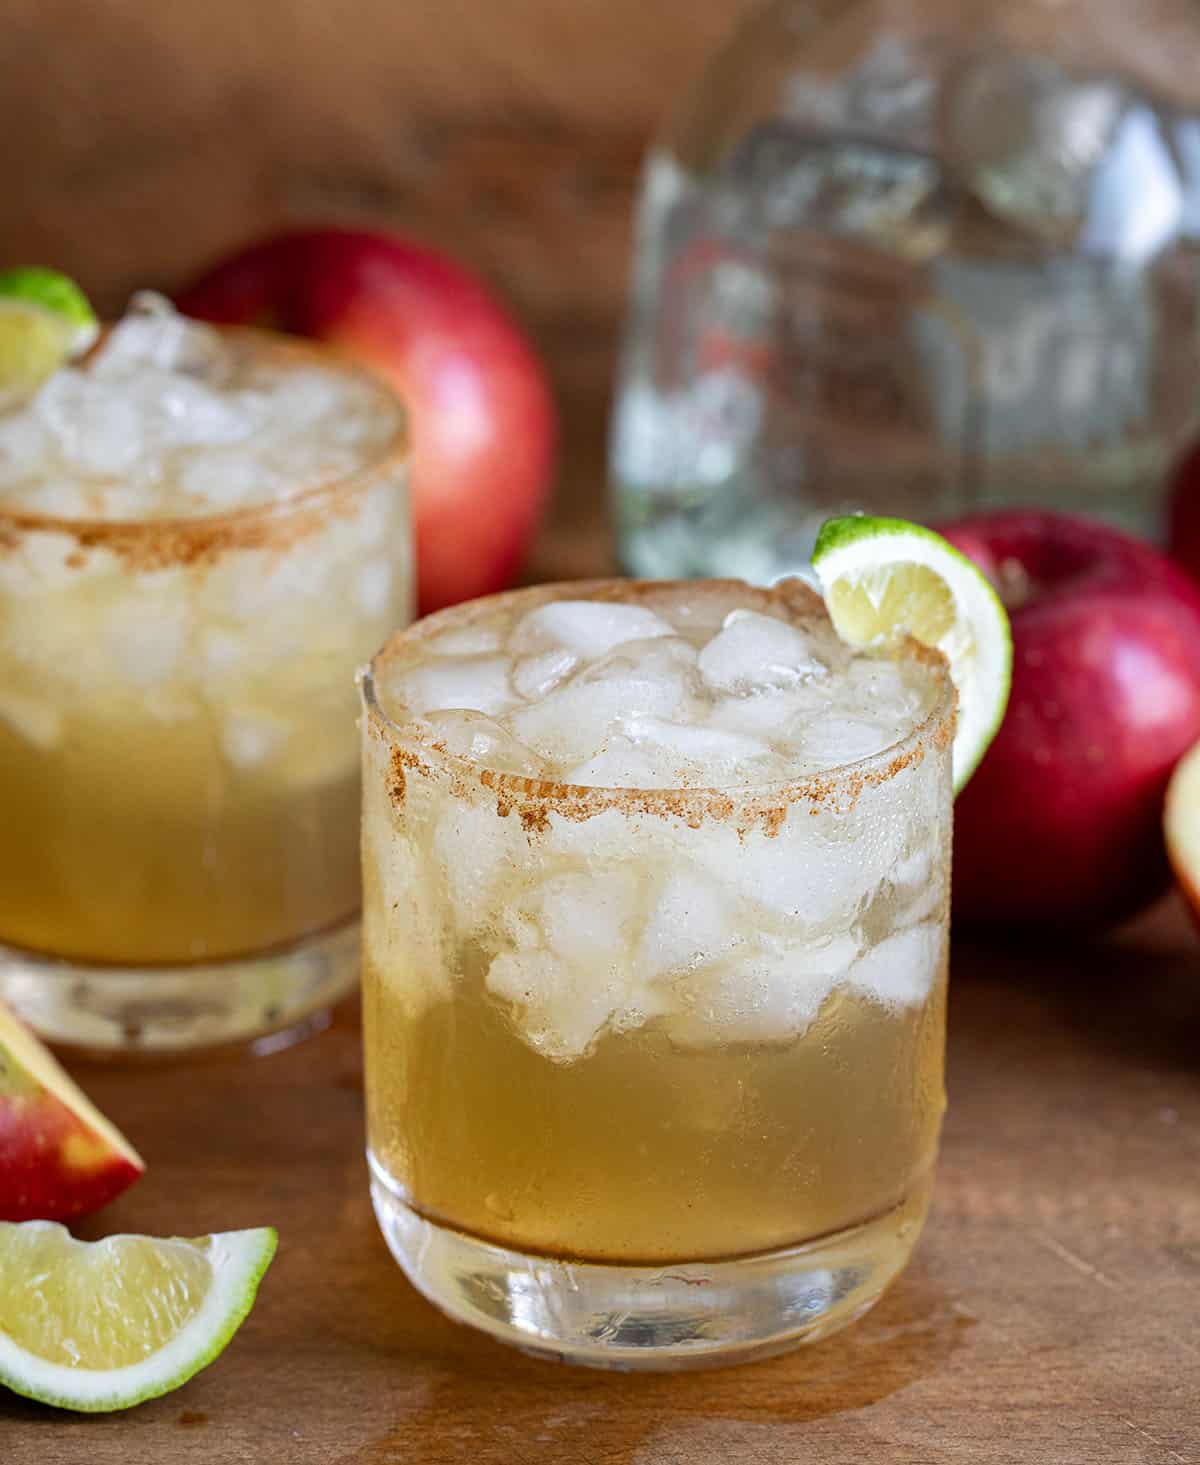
(202, 535)
(655, 951)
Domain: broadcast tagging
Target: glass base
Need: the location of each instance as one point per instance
(669, 1317)
(267, 1001)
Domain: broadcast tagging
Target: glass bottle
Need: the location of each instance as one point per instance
(912, 259)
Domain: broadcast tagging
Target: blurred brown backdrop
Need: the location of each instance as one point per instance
(146, 137)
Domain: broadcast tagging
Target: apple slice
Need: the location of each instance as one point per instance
(59, 1156)
(1181, 825)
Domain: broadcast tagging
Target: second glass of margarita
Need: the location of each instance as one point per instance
(202, 534)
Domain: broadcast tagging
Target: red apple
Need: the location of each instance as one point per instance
(482, 418)
(1183, 506)
(59, 1156)
(1062, 822)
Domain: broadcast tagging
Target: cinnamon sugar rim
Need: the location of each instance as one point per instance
(417, 748)
(268, 523)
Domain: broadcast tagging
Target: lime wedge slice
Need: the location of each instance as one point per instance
(103, 1325)
(885, 577)
(45, 321)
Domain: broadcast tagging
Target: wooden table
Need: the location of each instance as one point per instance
(1050, 1315)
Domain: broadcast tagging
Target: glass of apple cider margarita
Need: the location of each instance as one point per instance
(655, 929)
(202, 534)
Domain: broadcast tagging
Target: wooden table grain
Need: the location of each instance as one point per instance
(1049, 1316)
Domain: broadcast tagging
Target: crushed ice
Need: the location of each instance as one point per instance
(167, 419)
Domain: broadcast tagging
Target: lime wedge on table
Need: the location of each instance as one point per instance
(45, 321)
(885, 577)
(107, 1324)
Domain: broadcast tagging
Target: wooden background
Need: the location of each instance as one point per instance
(143, 138)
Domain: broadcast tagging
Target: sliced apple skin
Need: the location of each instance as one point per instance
(59, 1156)
(1181, 826)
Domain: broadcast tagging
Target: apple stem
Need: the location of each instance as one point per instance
(1014, 584)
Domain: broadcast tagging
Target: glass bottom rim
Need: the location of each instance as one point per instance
(668, 1316)
(16, 950)
(266, 999)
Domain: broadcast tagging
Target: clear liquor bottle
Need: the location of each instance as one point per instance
(912, 258)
